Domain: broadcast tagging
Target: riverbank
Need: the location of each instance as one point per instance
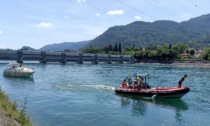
(9, 115)
(177, 62)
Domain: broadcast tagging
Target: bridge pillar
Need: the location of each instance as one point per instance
(80, 58)
(121, 59)
(109, 59)
(20, 56)
(132, 60)
(63, 57)
(95, 59)
(43, 60)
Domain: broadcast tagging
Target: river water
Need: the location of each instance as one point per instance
(82, 95)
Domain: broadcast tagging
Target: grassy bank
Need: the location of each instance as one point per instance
(9, 109)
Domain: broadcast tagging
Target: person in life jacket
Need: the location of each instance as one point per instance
(141, 83)
(181, 80)
(130, 82)
(124, 83)
(136, 83)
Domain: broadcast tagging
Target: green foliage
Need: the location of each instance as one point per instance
(153, 52)
(120, 48)
(206, 54)
(10, 110)
(163, 53)
(180, 48)
(128, 48)
(93, 50)
(152, 47)
(115, 47)
(192, 51)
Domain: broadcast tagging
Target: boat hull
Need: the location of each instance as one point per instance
(18, 73)
(168, 92)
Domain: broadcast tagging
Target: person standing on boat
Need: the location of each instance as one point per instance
(141, 83)
(181, 80)
(124, 83)
(130, 82)
(136, 83)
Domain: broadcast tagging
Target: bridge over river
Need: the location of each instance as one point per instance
(63, 57)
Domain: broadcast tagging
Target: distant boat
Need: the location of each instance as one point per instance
(17, 70)
(163, 92)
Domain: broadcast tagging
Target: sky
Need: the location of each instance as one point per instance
(36, 23)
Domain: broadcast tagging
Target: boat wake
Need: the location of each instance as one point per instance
(100, 87)
(64, 86)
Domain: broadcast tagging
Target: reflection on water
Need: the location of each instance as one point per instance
(139, 105)
(178, 105)
(19, 81)
(19, 78)
(19, 84)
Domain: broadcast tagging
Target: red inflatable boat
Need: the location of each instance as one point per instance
(146, 91)
(167, 92)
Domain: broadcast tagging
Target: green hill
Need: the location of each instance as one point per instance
(194, 32)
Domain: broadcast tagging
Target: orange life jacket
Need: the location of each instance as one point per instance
(135, 83)
(124, 84)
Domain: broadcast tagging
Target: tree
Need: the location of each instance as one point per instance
(128, 48)
(133, 46)
(206, 54)
(180, 48)
(170, 46)
(115, 47)
(93, 50)
(165, 46)
(187, 51)
(152, 47)
(106, 49)
(192, 52)
(120, 49)
(110, 47)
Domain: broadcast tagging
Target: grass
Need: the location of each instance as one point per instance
(10, 110)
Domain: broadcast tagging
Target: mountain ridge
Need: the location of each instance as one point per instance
(64, 46)
(140, 33)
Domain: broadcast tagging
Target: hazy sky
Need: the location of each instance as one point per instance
(36, 23)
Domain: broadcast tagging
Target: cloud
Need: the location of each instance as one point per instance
(115, 12)
(137, 17)
(97, 14)
(1, 32)
(45, 25)
(66, 17)
(81, 1)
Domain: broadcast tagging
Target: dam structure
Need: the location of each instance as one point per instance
(63, 57)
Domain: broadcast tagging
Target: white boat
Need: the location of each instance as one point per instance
(17, 70)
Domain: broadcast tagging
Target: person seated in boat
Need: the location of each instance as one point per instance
(181, 80)
(140, 84)
(130, 83)
(124, 83)
(144, 85)
(136, 83)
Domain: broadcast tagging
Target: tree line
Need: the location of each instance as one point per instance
(152, 52)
